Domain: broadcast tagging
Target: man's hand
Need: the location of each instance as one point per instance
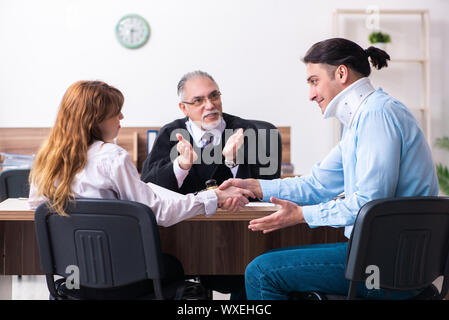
(289, 215)
(187, 156)
(250, 184)
(233, 144)
(233, 198)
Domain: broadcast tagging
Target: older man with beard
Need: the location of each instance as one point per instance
(204, 145)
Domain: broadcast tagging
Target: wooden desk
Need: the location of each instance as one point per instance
(17, 209)
(220, 244)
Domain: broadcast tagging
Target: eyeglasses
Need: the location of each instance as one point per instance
(214, 96)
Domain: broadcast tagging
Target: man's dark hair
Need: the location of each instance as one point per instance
(339, 51)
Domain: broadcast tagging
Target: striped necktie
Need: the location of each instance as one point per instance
(206, 139)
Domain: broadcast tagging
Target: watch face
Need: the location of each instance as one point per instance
(132, 31)
(230, 163)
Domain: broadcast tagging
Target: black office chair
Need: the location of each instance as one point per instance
(407, 239)
(271, 134)
(14, 183)
(115, 246)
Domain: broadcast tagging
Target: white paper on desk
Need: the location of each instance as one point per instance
(260, 204)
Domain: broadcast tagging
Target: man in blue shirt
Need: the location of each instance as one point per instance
(382, 153)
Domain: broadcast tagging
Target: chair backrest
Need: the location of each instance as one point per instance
(14, 183)
(407, 239)
(271, 134)
(112, 242)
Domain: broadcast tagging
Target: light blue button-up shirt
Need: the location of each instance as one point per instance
(383, 153)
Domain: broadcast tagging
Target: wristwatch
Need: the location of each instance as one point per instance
(230, 164)
(210, 185)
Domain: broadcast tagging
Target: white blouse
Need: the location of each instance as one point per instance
(110, 174)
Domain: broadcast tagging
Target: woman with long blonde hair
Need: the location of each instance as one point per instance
(80, 160)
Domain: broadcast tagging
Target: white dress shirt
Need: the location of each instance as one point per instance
(110, 174)
(197, 136)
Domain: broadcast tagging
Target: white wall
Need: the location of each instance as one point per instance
(251, 47)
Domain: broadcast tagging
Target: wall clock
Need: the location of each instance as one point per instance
(132, 31)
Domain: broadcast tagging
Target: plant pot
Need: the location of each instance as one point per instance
(380, 45)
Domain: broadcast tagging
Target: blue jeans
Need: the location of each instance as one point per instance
(272, 275)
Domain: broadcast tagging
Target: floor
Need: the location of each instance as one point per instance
(35, 288)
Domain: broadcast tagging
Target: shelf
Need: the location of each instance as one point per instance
(422, 109)
(422, 58)
(383, 11)
(410, 60)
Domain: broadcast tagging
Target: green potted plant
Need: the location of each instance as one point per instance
(442, 171)
(379, 39)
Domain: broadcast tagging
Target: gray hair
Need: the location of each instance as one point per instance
(191, 75)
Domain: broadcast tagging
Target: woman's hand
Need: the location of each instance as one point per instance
(233, 198)
(252, 185)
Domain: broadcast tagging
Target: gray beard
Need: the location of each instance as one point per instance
(211, 125)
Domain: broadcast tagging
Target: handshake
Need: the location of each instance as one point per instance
(233, 195)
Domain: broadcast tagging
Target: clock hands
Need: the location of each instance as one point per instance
(132, 34)
(132, 31)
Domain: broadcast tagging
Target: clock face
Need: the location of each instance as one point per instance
(132, 31)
